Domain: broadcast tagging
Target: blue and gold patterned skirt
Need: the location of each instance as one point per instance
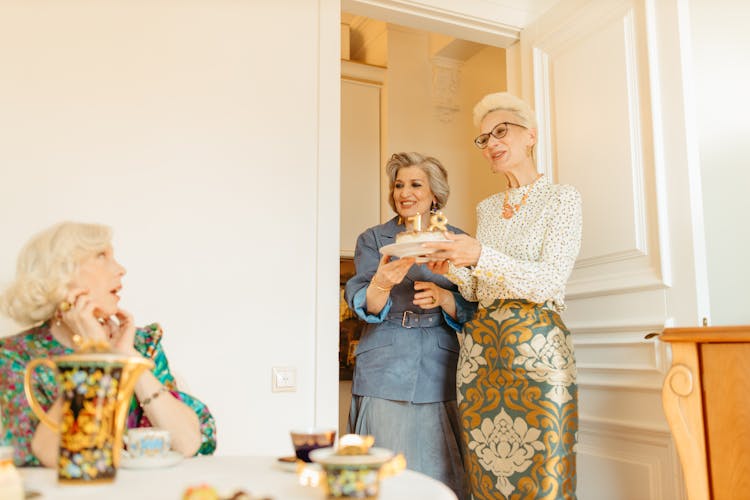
(518, 403)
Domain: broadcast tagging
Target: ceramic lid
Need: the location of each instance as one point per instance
(328, 456)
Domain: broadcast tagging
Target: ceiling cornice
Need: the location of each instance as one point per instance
(459, 24)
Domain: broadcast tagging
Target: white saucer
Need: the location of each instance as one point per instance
(288, 464)
(328, 456)
(412, 249)
(171, 458)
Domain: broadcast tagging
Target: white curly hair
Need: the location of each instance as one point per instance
(45, 268)
(506, 102)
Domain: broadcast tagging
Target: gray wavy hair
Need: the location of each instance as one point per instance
(437, 175)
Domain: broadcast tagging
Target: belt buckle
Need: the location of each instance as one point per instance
(405, 319)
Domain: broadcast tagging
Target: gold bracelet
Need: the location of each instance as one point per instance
(380, 287)
(154, 396)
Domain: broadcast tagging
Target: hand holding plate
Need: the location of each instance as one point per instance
(391, 272)
(462, 250)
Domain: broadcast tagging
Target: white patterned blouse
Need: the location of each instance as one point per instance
(530, 255)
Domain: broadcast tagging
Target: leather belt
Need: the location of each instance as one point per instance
(410, 319)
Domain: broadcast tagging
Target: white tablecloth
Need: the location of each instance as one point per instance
(256, 475)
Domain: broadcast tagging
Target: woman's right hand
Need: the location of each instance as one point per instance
(391, 272)
(80, 317)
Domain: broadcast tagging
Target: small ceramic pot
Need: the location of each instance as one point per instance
(352, 476)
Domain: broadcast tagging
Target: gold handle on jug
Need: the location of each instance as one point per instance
(393, 467)
(33, 403)
(130, 374)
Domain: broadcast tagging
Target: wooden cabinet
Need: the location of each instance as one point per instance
(706, 398)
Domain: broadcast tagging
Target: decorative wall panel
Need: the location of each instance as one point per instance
(631, 463)
(591, 82)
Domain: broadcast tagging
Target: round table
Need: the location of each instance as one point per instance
(256, 475)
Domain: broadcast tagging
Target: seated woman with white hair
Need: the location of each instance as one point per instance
(67, 287)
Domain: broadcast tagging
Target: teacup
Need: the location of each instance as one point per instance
(147, 442)
(308, 439)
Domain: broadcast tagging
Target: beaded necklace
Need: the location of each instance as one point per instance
(510, 210)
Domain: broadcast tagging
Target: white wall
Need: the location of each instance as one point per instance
(720, 47)
(482, 74)
(191, 127)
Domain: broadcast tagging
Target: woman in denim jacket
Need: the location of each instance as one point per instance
(404, 387)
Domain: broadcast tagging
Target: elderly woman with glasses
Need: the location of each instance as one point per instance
(517, 392)
(404, 386)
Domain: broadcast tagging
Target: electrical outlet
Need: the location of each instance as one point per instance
(283, 379)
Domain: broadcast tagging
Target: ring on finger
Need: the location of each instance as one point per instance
(65, 306)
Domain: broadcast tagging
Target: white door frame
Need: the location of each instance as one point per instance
(459, 24)
(677, 171)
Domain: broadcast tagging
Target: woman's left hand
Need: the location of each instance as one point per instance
(438, 266)
(122, 332)
(429, 295)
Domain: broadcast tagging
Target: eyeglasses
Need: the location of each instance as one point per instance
(498, 132)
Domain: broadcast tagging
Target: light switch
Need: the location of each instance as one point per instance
(283, 379)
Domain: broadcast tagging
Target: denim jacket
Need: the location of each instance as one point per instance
(406, 353)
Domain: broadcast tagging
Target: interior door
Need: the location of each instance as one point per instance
(605, 80)
(361, 87)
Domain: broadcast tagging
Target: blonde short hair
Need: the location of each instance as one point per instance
(436, 173)
(506, 102)
(46, 266)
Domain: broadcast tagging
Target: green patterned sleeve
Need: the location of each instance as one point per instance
(148, 342)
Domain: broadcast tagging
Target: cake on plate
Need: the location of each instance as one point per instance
(438, 224)
(409, 243)
(419, 236)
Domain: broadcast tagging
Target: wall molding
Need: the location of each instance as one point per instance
(630, 380)
(632, 444)
(625, 269)
(446, 82)
(638, 163)
(613, 283)
(543, 108)
(625, 430)
(626, 374)
(431, 18)
(610, 258)
(363, 73)
(639, 325)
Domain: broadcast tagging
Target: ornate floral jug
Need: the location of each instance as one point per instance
(95, 386)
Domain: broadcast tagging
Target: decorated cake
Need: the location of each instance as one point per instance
(419, 236)
(438, 224)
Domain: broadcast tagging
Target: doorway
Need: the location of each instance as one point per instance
(423, 100)
(595, 63)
